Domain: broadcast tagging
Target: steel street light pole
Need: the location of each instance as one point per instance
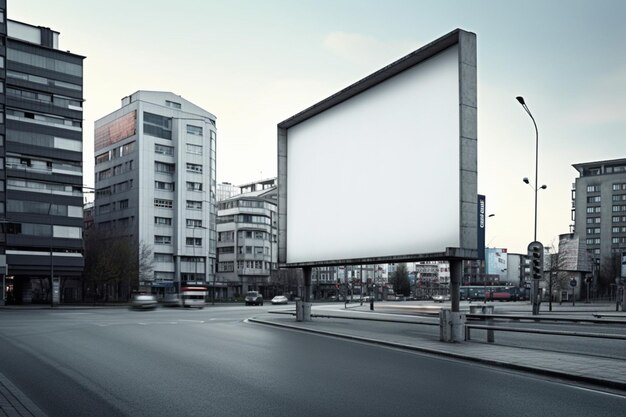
(520, 99)
(525, 107)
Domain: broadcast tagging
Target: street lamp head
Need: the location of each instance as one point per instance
(543, 187)
(526, 180)
(491, 215)
(521, 100)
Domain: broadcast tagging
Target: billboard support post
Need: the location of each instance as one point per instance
(304, 307)
(456, 272)
(307, 283)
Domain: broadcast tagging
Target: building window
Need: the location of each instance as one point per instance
(163, 167)
(156, 125)
(166, 186)
(226, 249)
(172, 104)
(593, 220)
(164, 257)
(619, 186)
(123, 204)
(194, 186)
(163, 150)
(593, 188)
(225, 266)
(619, 197)
(163, 221)
(159, 202)
(194, 168)
(44, 119)
(593, 199)
(67, 232)
(248, 218)
(193, 241)
(162, 240)
(47, 63)
(194, 205)
(194, 130)
(593, 230)
(594, 209)
(194, 149)
(194, 223)
(226, 236)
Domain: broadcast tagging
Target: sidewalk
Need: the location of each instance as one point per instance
(14, 403)
(598, 371)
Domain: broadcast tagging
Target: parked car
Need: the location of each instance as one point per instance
(144, 301)
(279, 299)
(254, 298)
(440, 298)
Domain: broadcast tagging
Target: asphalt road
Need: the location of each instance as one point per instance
(178, 362)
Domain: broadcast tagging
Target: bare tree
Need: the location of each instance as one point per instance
(146, 262)
(113, 264)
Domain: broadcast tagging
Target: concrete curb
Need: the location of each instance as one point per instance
(493, 362)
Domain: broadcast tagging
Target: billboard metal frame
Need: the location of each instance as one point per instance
(468, 204)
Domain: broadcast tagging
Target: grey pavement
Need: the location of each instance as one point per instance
(586, 369)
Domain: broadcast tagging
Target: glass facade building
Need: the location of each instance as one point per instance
(41, 168)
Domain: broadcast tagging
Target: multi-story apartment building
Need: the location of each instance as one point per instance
(155, 182)
(41, 173)
(496, 264)
(599, 213)
(247, 241)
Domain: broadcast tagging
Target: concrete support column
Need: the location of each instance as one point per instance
(303, 307)
(307, 270)
(452, 322)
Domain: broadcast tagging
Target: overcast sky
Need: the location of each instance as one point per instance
(255, 63)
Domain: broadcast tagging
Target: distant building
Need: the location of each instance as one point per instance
(516, 269)
(155, 183)
(247, 242)
(226, 190)
(496, 264)
(599, 214)
(569, 263)
(41, 147)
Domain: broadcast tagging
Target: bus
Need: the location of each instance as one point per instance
(193, 296)
(493, 293)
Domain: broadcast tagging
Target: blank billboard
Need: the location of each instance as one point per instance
(378, 172)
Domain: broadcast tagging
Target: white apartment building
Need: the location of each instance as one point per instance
(247, 242)
(155, 181)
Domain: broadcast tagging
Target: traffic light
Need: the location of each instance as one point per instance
(535, 254)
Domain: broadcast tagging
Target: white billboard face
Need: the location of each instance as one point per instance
(377, 176)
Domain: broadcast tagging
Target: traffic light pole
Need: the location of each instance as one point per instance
(535, 253)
